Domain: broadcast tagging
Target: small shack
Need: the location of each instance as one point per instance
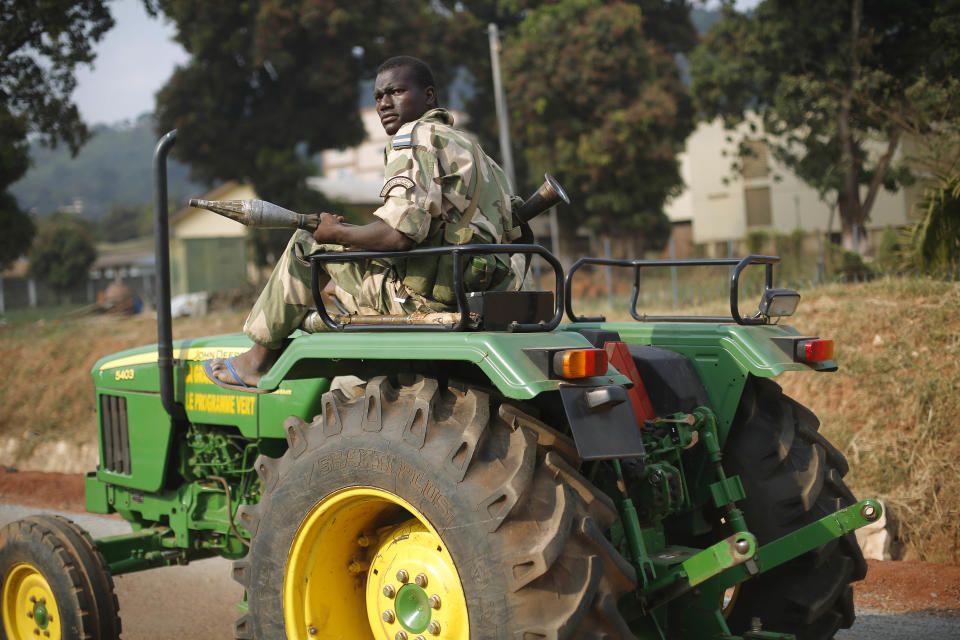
(209, 252)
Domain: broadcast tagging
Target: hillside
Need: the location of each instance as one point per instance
(113, 168)
(891, 408)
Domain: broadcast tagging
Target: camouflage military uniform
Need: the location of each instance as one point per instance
(440, 189)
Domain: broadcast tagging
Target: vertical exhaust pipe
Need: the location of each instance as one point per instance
(161, 234)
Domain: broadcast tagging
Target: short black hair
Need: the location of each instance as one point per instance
(421, 72)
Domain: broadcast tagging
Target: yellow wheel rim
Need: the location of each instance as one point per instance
(366, 564)
(29, 608)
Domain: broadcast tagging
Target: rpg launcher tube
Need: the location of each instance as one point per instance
(255, 213)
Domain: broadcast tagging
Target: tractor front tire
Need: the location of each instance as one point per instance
(55, 584)
(417, 511)
(792, 476)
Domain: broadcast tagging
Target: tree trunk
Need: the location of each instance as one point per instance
(849, 197)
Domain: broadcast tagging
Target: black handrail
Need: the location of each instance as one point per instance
(317, 259)
(738, 264)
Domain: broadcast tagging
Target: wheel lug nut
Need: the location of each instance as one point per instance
(401, 635)
(312, 631)
(33, 599)
(389, 616)
(434, 602)
(434, 627)
(403, 576)
(389, 591)
(29, 614)
(421, 580)
(419, 638)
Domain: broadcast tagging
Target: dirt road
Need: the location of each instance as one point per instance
(195, 602)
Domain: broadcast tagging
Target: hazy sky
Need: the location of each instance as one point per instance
(136, 58)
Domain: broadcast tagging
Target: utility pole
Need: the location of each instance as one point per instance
(503, 126)
(500, 100)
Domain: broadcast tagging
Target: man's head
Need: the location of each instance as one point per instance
(404, 91)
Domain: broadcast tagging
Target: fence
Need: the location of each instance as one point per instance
(23, 293)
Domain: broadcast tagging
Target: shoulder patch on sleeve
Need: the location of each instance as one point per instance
(402, 140)
(396, 181)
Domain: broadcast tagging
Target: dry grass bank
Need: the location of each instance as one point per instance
(892, 407)
(47, 414)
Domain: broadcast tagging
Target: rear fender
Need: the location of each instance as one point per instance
(504, 358)
(721, 354)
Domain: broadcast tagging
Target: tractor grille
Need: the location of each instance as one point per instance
(116, 434)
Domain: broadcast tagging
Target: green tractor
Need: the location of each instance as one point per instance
(495, 474)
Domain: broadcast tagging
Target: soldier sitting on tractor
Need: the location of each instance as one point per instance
(440, 189)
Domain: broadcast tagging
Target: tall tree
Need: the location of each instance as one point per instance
(41, 44)
(270, 83)
(833, 86)
(18, 229)
(63, 253)
(601, 105)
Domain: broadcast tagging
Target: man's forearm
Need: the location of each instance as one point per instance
(376, 236)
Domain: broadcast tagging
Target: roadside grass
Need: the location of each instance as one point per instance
(46, 391)
(892, 408)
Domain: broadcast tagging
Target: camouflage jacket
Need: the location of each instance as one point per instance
(441, 188)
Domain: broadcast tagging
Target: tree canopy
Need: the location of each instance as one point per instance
(600, 104)
(17, 227)
(833, 86)
(41, 44)
(269, 84)
(62, 253)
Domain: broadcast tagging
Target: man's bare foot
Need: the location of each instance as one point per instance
(250, 366)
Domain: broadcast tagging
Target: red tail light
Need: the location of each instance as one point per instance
(818, 350)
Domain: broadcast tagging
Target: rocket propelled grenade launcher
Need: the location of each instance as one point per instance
(259, 214)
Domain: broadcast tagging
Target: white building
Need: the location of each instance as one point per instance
(723, 205)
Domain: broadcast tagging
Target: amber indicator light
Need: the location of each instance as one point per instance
(581, 363)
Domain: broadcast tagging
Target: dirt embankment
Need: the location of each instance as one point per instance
(48, 418)
(892, 407)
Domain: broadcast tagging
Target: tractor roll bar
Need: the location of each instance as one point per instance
(738, 264)
(318, 259)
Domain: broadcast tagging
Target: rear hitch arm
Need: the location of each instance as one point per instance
(723, 565)
(806, 539)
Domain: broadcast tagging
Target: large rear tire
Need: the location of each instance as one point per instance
(418, 511)
(793, 476)
(55, 584)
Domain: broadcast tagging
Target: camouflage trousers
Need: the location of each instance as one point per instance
(362, 286)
